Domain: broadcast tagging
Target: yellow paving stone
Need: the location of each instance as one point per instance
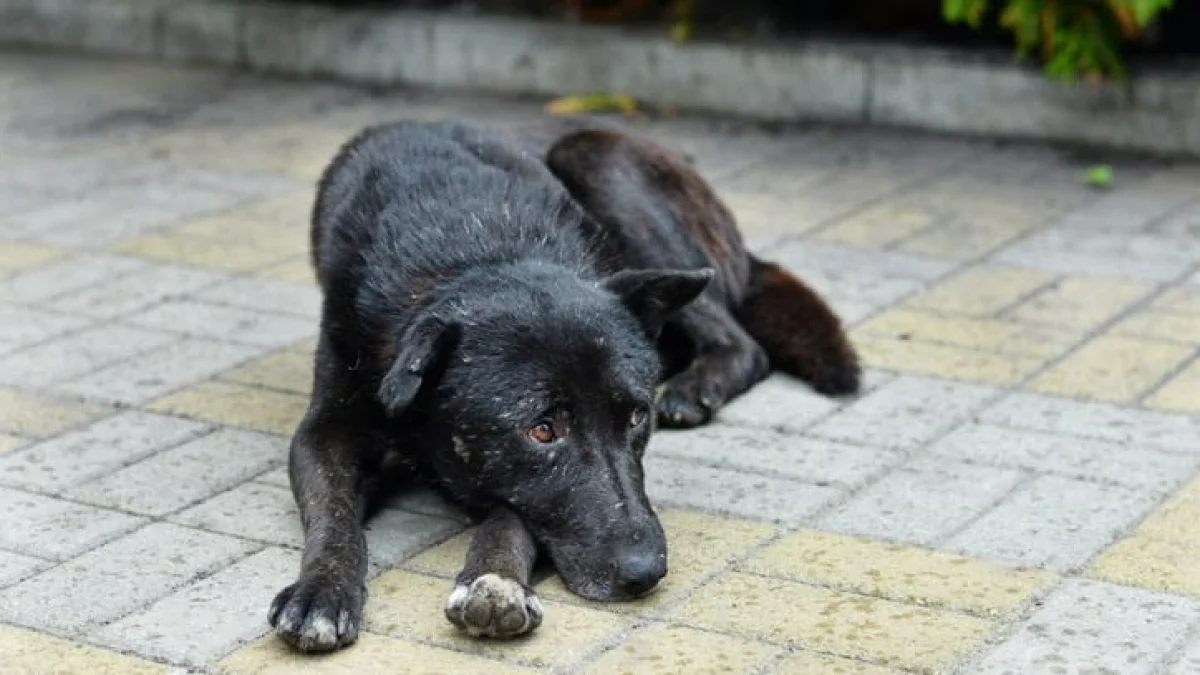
(1162, 552)
(965, 239)
(409, 605)
(1181, 392)
(296, 150)
(811, 663)
(169, 246)
(297, 271)
(948, 361)
(16, 256)
(446, 559)
(9, 442)
(843, 624)
(676, 650)
(1081, 302)
(897, 572)
(878, 226)
(288, 370)
(1161, 325)
(369, 655)
(697, 545)
(984, 334)
(242, 225)
(1112, 369)
(1183, 300)
(981, 291)
(36, 415)
(759, 213)
(26, 652)
(236, 405)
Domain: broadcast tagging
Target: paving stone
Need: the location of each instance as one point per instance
(16, 256)
(1132, 466)
(96, 220)
(224, 256)
(1135, 428)
(15, 567)
(921, 502)
(1082, 303)
(266, 295)
(410, 605)
(134, 292)
(945, 361)
(1188, 661)
(251, 511)
(78, 354)
(297, 271)
(27, 652)
(194, 471)
(56, 529)
(37, 415)
(75, 273)
(97, 449)
(1112, 369)
(237, 405)
(225, 323)
(787, 404)
(905, 413)
(8, 443)
(1053, 522)
(394, 536)
(982, 334)
(210, 617)
(834, 622)
(902, 573)
(803, 663)
(1181, 392)
(117, 578)
(289, 370)
(1137, 256)
(24, 326)
(1158, 324)
(663, 649)
(270, 656)
(728, 492)
(981, 291)
(1086, 624)
(158, 372)
(806, 459)
(879, 226)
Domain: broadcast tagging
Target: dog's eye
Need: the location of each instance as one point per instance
(637, 417)
(542, 432)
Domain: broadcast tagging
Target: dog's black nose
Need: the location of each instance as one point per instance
(639, 573)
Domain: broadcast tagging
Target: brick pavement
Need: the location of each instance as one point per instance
(1015, 492)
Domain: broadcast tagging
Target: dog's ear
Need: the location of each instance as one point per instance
(653, 296)
(417, 350)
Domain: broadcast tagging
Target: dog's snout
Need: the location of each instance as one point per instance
(639, 573)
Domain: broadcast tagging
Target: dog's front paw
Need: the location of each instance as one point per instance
(688, 401)
(493, 606)
(317, 616)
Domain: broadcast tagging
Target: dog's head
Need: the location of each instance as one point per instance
(546, 385)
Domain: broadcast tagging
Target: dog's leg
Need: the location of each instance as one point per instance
(322, 611)
(492, 596)
(727, 362)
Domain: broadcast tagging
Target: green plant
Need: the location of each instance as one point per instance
(1074, 37)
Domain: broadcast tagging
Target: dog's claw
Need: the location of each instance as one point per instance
(493, 606)
(316, 616)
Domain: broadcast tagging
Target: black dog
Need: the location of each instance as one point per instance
(498, 312)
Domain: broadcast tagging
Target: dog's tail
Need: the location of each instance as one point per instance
(801, 334)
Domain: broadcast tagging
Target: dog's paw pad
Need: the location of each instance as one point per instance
(493, 606)
(686, 401)
(317, 617)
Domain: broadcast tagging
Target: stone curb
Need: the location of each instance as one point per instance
(818, 81)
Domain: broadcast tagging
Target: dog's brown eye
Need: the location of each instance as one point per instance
(542, 432)
(637, 417)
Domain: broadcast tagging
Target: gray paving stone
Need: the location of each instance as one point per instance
(1094, 627)
(15, 567)
(135, 291)
(787, 404)
(1088, 458)
(71, 274)
(790, 456)
(56, 529)
(159, 372)
(1053, 522)
(77, 354)
(266, 295)
(208, 618)
(427, 501)
(24, 326)
(675, 483)
(185, 474)
(905, 413)
(807, 257)
(1138, 428)
(1187, 662)
(117, 578)
(1139, 256)
(98, 221)
(922, 502)
(393, 536)
(83, 454)
(226, 323)
(252, 510)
